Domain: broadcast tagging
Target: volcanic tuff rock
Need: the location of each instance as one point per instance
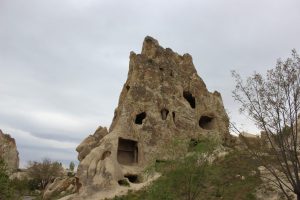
(91, 142)
(9, 152)
(163, 102)
(60, 187)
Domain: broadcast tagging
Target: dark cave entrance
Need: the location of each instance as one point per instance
(189, 97)
(132, 178)
(206, 122)
(139, 118)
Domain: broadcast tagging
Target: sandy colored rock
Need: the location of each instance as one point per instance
(60, 187)
(163, 102)
(90, 142)
(9, 152)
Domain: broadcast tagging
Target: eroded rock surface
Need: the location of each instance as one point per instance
(60, 187)
(163, 100)
(9, 152)
(91, 142)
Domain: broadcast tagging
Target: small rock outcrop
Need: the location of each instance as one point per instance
(60, 187)
(163, 100)
(91, 142)
(9, 152)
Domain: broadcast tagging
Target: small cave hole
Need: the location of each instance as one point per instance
(189, 97)
(150, 61)
(140, 117)
(171, 73)
(132, 178)
(192, 144)
(127, 151)
(105, 155)
(206, 122)
(161, 69)
(160, 161)
(173, 115)
(127, 87)
(164, 113)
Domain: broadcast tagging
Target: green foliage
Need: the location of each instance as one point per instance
(70, 174)
(6, 189)
(14, 189)
(124, 182)
(43, 172)
(72, 166)
(21, 186)
(33, 184)
(203, 145)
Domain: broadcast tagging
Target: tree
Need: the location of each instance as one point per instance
(273, 103)
(44, 172)
(6, 190)
(72, 166)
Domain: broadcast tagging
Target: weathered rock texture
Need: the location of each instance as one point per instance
(9, 152)
(60, 187)
(91, 142)
(163, 100)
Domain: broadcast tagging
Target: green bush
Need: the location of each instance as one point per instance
(6, 189)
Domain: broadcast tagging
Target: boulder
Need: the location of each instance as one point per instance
(60, 187)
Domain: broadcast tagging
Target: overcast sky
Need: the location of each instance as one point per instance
(63, 62)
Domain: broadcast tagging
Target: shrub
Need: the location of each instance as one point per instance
(6, 189)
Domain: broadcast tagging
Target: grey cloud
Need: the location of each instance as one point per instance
(39, 153)
(66, 61)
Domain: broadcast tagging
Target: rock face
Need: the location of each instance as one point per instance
(163, 102)
(8, 151)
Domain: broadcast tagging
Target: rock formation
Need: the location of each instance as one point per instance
(9, 152)
(163, 100)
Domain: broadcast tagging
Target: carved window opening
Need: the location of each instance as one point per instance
(189, 97)
(127, 152)
(140, 117)
(206, 122)
(132, 178)
(164, 113)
